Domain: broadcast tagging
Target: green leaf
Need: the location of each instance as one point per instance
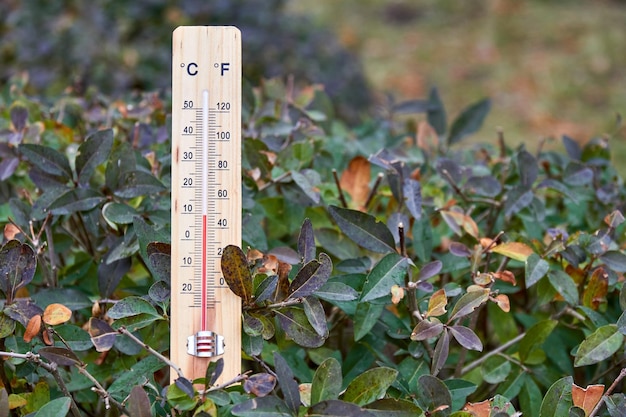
(459, 389)
(136, 322)
(392, 407)
(337, 408)
(311, 277)
(436, 114)
(564, 285)
(296, 325)
(4, 403)
(95, 150)
(236, 272)
(287, 382)
(135, 375)
(517, 198)
(47, 159)
(615, 260)
(363, 229)
(315, 313)
(412, 191)
(423, 239)
(599, 346)
(269, 406)
(433, 393)
(527, 167)
(427, 329)
(534, 338)
(469, 121)
(576, 412)
(138, 183)
(370, 385)
(7, 326)
(495, 369)
(530, 398)
(18, 263)
(389, 271)
(60, 356)
(558, 399)
(132, 306)
(55, 408)
(468, 303)
(118, 213)
(327, 381)
(110, 275)
(337, 291)
(365, 318)
(536, 268)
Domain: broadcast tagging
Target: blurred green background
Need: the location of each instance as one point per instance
(551, 67)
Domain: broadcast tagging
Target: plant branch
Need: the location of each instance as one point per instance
(238, 378)
(619, 378)
(374, 189)
(342, 198)
(496, 351)
(275, 180)
(282, 304)
(153, 352)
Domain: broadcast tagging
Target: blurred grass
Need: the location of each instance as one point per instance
(551, 67)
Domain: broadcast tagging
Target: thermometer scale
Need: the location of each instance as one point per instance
(206, 197)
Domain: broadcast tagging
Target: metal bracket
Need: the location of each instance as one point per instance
(205, 344)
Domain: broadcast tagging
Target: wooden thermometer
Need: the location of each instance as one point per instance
(206, 197)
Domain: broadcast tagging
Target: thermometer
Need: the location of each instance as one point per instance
(206, 197)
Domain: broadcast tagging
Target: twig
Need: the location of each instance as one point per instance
(372, 193)
(342, 198)
(101, 391)
(496, 351)
(238, 378)
(153, 352)
(619, 378)
(282, 304)
(275, 180)
(52, 369)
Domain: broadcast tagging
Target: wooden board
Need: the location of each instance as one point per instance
(206, 192)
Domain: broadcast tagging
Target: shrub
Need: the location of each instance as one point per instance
(394, 273)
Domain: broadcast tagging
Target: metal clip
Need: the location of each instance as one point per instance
(205, 344)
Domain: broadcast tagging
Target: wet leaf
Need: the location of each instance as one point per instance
(355, 180)
(306, 242)
(469, 121)
(437, 304)
(94, 151)
(260, 384)
(311, 277)
(59, 355)
(363, 229)
(389, 271)
(427, 329)
(536, 268)
(327, 381)
(370, 385)
(296, 325)
(287, 382)
(558, 399)
(468, 303)
(466, 337)
(159, 292)
(236, 272)
(139, 403)
(514, 250)
(599, 345)
(412, 191)
(587, 398)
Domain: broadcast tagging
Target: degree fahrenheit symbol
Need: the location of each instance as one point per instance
(182, 65)
(216, 65)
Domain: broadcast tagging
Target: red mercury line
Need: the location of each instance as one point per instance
(205, 172)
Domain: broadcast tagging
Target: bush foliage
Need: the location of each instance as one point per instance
(384, 270)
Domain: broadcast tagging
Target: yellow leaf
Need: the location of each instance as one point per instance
(355, 180)
(481, 409)
(514, 250)
(33, 327)
(397, 294)
(503, 302)
(587, 398)
(596, 290)
(16, 401)
(56, 314)
(461, 220)
(506, 276)
(437, 304)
